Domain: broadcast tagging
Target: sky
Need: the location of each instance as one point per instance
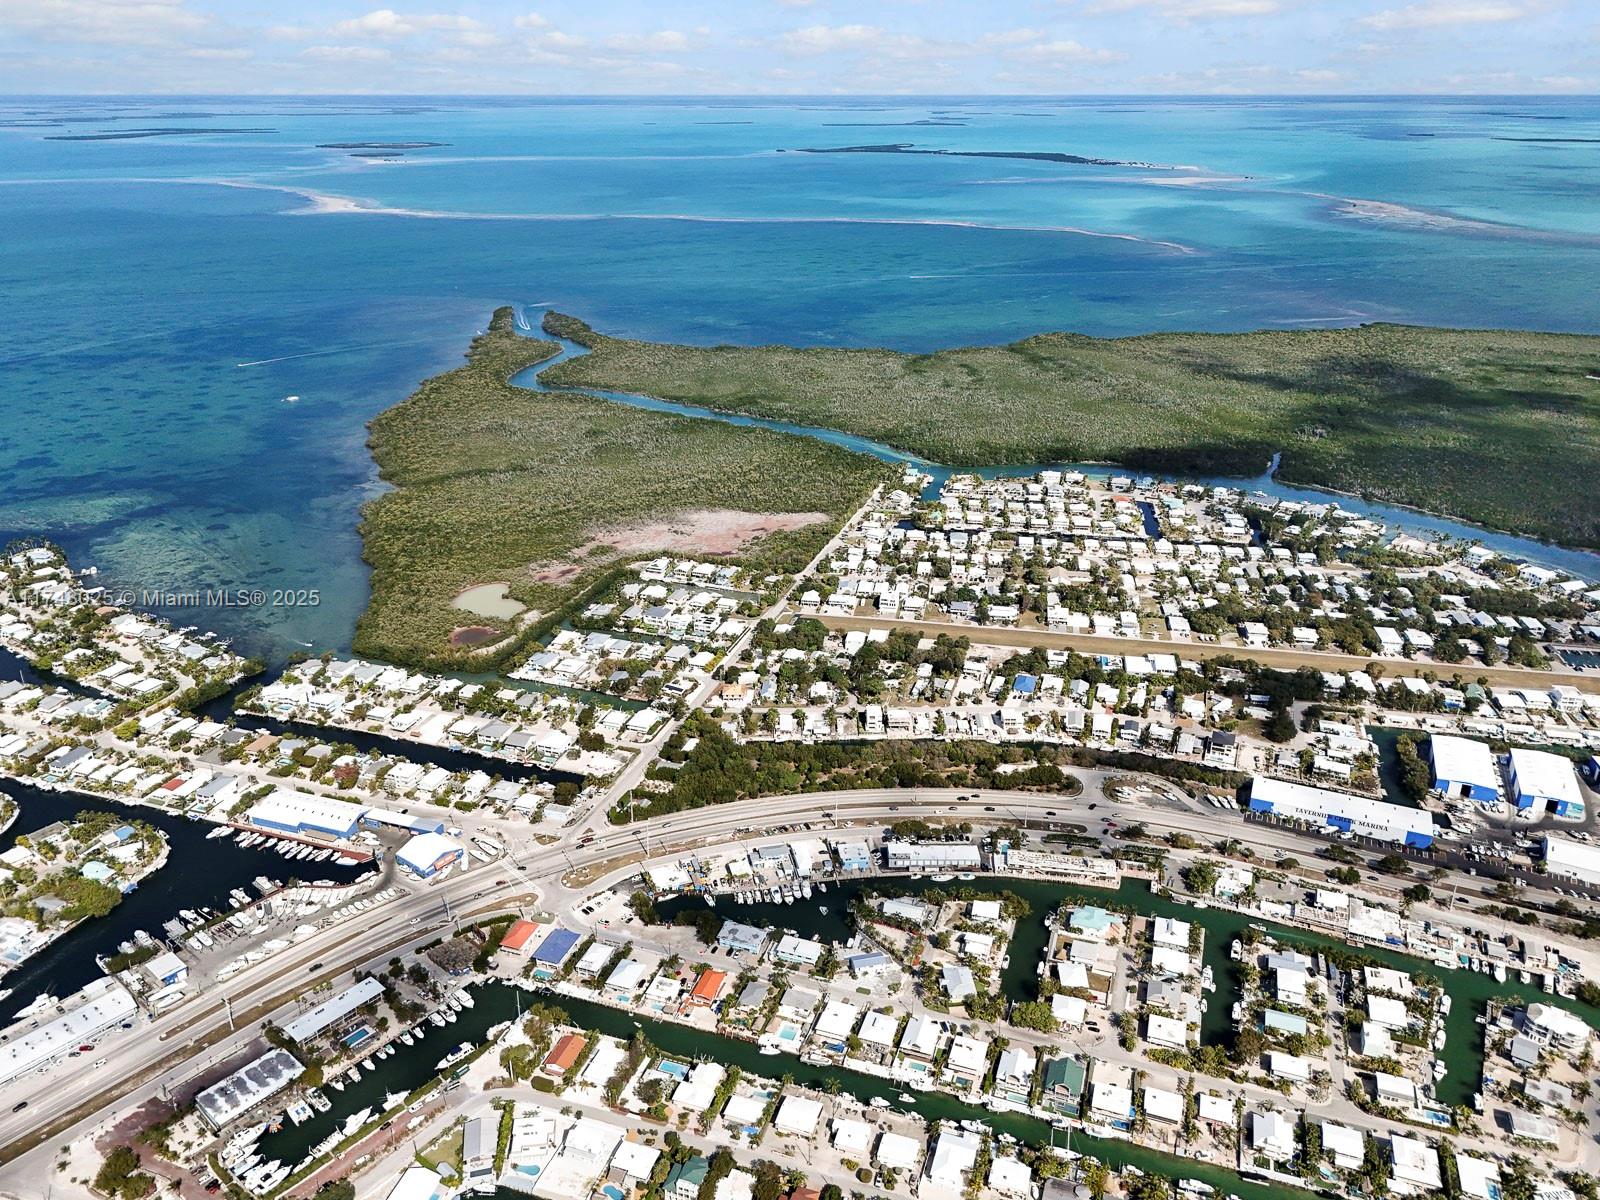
(801, 47)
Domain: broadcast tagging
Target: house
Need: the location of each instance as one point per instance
(1064, 1080)
(1163, 1105)
(1415, 1165)
(708, 988)
(1272, 1134)
(565, 1054)
(1346, 1146)
(684, 1180)
(954, 1153)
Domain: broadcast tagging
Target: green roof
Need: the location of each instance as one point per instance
(1067, 1073)
(693, 1171)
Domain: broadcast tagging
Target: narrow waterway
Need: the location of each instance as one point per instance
(1470, 991)
(199, 873)
(1583, 563)
(412, 1066)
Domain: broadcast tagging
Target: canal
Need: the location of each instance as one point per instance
(413, 1066)
(199, 873)
(1470, 991)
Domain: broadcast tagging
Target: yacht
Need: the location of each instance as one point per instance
(455, 1056)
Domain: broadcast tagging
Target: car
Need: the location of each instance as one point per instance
(988, 808)
(1049, 812)
(894, 808)
(19, 1106)
(99, 1062)
(1092, 807)
(85, 1048)
(316, 966)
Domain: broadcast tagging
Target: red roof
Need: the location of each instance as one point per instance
(517, 936)
(709, 986)
(565, 1054)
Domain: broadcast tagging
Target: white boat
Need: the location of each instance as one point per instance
(406, 1039)
(450, 1015)
(336, 1084)
(356, 1120)
(393, 1100)
(437, 1018)
(769, 1049)
(906, 1098)
(220, 831)
(455, 1056)
(1195, 1187)
(465, 997)
(944, 878)
(367, 1065)
(878, 1102)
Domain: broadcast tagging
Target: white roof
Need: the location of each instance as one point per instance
(1539, 773)
(425, 849)
(314, 1021)
(797, 1114)
(1162, 1104)
(1573, 859)
(850, 1135)
(415, 1183)
(1415, 1162)
(953, 1153)
(635, 1159)
(1211, 1107)
(1476, 1175)
(1386, 1010)
(898, 1151)
(1342, 1141)
(1462, 760)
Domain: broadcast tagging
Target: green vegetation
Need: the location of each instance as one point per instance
(1489, 425)
(719, 769)
(493, 482)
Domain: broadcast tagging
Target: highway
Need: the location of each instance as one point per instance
(166, 1054)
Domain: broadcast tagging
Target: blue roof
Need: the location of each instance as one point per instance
(1025, 684)
(556, 946)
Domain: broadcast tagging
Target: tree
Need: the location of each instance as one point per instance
(1200, 877)
(1281, 727)
(336, 1189)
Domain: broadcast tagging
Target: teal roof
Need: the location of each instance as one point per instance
(1066, 1073)
(1283, 1022)
(1092, 917)
(692, 1172)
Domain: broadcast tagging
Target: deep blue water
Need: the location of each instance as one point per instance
(137, 275)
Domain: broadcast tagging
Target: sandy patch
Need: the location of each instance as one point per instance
(488, 600)
(704, 532)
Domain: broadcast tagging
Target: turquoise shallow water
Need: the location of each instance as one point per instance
(136, 275)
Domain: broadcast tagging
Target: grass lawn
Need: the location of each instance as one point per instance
(493, 482)
(1497, 427)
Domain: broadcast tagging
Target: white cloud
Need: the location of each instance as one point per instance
(1183, 12)
(1442, 14)
(133, 22)
(1064, 50)
(386, 23)
(664, 41)
(830, 39)
(221, 53)
(531, 21)
(347, 53)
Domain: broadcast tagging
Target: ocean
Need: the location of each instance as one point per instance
(164, 291)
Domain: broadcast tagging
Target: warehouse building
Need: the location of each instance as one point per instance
(1541, 781)
(314, 1021)
(429, 853)
(924, 856)
(250, 1085)
(300, 814)
(1570, 859)
(1337, 811)
(102, 1005)
(1464, 768)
